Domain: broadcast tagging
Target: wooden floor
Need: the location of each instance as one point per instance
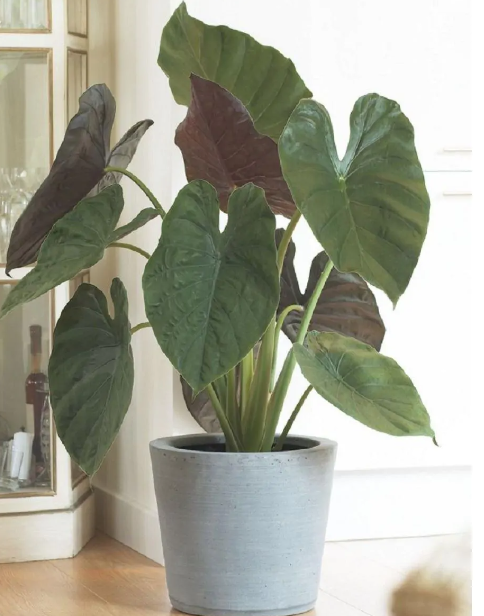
(109, 579)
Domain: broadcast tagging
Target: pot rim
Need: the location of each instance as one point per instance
(309, 444)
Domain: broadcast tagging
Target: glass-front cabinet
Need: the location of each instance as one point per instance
(44, 58)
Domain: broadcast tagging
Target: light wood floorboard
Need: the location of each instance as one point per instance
(109, 579)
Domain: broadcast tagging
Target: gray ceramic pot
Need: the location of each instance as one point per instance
(242, 533)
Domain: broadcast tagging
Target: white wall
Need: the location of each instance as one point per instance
(126, 501)
(343, 49)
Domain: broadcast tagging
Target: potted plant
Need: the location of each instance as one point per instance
(243, 512)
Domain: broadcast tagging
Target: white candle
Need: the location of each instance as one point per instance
(22, 444)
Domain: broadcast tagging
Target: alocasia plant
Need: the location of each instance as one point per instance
(254, 145)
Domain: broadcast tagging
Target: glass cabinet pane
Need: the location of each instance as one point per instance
(76, 79)
(24, 15)
(25, 132)
(77, 17)
(26, 425)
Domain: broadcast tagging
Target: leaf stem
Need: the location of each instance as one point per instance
(132, 247)
(140, 184)
(282, 385)
(256, 412)
(136, 328)
(281, 440)
(313, 301)
(286, 238)
(247, 374)
(279, 324)
(231, 405)
(231, 440)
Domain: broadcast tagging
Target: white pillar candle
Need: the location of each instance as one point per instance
(9, 457)
(22, 444)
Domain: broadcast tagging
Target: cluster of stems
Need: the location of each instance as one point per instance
(248, 400)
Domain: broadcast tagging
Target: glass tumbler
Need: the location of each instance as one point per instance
(10, 464)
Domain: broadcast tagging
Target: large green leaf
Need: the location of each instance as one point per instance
(220, 145)
(76, 242)
(91, 373)
(369, 211)
(364, 384)
(261, 77)
(210, 296)
(346, 305)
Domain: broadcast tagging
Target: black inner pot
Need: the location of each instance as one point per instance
(220, 447)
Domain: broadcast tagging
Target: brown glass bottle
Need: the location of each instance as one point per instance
(35, 390)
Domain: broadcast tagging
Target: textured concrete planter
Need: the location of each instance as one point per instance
(243, 533)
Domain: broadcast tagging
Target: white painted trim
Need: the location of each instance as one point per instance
(26, 41)
(399, 503)
(373, 504)
(129, 523)
(47, 535)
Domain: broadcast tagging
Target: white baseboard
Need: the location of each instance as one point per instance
(372, 504)
(377, 504)
(46, 535)
(129, 523)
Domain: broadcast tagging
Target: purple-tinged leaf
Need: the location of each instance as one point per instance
(78, 167)
(346, 306)
(220, 145)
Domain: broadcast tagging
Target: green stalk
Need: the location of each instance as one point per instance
(140, 184)
(281, 440)
(255, 416)
(132, 247)
(286, 238)
(279, 324)
(136, 328)
(231, 404)
(230, 438)
(220, 387)
(247, 374)
(280, 390)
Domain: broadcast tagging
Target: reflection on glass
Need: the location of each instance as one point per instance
(76, 80)
(23, 14)
(24, 133)
(77, 17)
(17, 187)
(25, 415)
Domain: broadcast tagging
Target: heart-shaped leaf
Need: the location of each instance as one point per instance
(122, 154)
(346, 305)
(220, 144)
(210, 296)
(78, 167)
(138, 221)
(76, 242)
(261, 77)
(364, 384)
(369, 211)
(91, 373)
